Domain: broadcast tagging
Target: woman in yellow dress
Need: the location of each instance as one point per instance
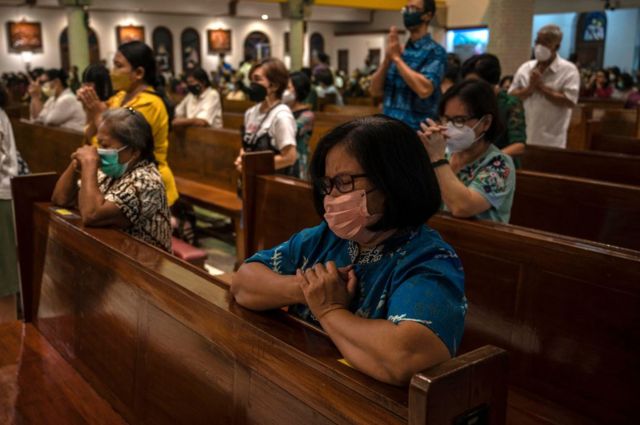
(133, 78)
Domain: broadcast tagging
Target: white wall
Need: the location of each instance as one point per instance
(621, 45)
(53, 22)
(358, 46)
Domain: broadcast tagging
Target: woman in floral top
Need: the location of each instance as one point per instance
(120, 185)
(295, 95)
(476, 178)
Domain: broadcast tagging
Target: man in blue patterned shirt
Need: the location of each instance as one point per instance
(409, 79)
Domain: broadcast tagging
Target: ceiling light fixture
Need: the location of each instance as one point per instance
(265, 17)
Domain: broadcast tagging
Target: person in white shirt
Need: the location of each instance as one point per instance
(270, 124)
(8, 253)
(549, 87)
(201, 107)
(62, 108)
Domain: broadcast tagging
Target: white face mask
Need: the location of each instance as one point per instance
(288, 97)
(542, 53)
(461, 139)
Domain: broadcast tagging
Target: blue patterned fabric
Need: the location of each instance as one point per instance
(429, 59)
(412, 277)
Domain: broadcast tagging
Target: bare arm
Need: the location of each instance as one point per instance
(286, 158)
(388, 352)
(66, 190)
(256, 287)
(514, 149)
(459, 199)
(377, 79)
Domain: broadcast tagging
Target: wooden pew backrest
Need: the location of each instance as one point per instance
(206, 155)
(589, 209)
(45, 149)
(604, 166)
(568, 310)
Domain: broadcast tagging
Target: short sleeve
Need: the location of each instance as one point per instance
(433, 296)
(520, 80)
(571, 88)
(284, 131)
(495, 181)
(291, 255)
(435, 67)
(181, 109)
(210, 108)
(139, 197)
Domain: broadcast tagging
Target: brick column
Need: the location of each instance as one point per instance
(510, 24)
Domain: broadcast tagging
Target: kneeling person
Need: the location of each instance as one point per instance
(384, 286)
(120, 185)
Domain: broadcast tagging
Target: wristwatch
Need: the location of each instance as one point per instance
(439, 162)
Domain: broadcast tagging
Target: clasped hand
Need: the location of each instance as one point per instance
(433, 137)
(86, 156)
(327, 287)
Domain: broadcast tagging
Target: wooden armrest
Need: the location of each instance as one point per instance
(473, 384)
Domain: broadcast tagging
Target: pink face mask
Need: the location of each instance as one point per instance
(348, 217)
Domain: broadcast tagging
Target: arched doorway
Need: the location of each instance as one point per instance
(316, 46)
(590, 39)
(94, 49)
(163, 49)
(190, 48)
(257, 46)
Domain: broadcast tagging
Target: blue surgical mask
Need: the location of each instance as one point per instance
(110, 163)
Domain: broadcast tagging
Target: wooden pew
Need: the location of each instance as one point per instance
(598, 139)
(352, 110)
(239, 106)
(38, 386)
(589, 209)
(164, 342)
(45, 148)
(567, 310)
(619, 122)
(610, 167)
(202, 162)
(233, 120)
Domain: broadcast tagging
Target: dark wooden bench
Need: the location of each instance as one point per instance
(163, 342)
(38, 386)
(45, 148)
(566, 309)
(610, 167)
(239, 106)
(589, 209)
(599, 141)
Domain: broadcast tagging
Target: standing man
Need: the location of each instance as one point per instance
(549, 88)
(409, 78)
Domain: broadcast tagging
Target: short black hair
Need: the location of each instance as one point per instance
(506, 78)
(485, 66)
(98, 74)
(323, 57)
(302, 84)
(4, 96)
(139, 55)
(480, 100)
(429, 6)
(626, 81)
(200, 75)
(394, 160)
(57, 74)
(324, 76)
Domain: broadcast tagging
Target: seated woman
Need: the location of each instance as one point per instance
(294, 97)
(383, 285)
(61, 108)
(120, 185)
(476, 179)
(201, 107)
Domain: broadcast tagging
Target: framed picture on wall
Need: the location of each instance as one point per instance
(467, 41)
(219, 41)
(24, 36)
(125, 34)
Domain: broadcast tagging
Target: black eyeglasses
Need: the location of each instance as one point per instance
(458, 121)
(344, 183)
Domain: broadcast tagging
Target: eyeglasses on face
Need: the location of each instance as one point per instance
(344, 183)
(458, 121)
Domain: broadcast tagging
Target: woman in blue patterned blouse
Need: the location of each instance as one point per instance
(384, 286)
(476, 178)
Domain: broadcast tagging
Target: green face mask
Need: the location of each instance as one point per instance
(110, 164)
